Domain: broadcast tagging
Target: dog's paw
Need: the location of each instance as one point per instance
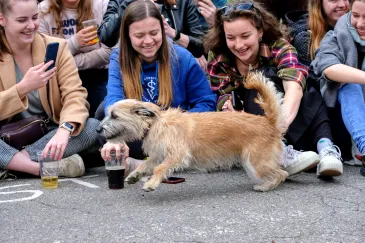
(133, 178)
(148, 189)
(261, 188)
(150, 185)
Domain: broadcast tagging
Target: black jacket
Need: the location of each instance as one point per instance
(183, 16)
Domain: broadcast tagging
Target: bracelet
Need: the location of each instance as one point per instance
(177, 36)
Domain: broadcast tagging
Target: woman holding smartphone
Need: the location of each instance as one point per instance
(66, 19)
(27, 89)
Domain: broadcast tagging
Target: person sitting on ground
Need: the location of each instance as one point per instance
(148, 67)
(63, 19)
(27, 89)
(245, 37)
(181, 23)
(307, 29)
(340, 63)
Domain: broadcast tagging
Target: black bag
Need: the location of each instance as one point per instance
(21, 133)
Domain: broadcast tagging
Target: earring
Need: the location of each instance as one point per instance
(260, 39)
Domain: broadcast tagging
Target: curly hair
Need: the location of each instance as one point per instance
(84, 12)
(215, 40)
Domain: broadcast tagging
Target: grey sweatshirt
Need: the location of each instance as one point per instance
(95, 56)
(337, 47)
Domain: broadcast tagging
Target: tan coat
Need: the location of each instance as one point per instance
(67, 96)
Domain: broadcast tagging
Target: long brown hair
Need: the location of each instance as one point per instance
(215, 40)
(84, 12)
(130, 60)
(317, 24)
(5, 8)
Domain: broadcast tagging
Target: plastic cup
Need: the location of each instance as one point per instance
(115, 171)
(91, 22)
(49, 171)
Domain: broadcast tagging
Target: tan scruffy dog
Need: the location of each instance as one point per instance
(209, 140)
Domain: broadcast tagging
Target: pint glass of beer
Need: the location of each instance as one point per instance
(49, 171)
(115, 171)
(91, 22)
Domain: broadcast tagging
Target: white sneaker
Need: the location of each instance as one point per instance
(296, 161)
(330, 162)
(72, 166)
(355, 161)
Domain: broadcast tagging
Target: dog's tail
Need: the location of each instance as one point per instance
(269, 98)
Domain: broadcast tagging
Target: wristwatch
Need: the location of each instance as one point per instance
(177, 36)
(68, 127)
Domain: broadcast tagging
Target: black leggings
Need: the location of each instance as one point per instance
(315, 127)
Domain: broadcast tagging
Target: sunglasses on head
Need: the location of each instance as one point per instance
(241, 6)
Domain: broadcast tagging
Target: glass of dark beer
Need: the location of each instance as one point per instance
(115, 171)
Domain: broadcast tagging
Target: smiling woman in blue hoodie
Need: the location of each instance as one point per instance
(148, 67)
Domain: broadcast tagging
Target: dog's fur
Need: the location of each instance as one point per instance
(209, 140)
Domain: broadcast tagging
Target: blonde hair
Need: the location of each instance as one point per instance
(5, 8)
(131, 62)
(84, 12)
(317, 25)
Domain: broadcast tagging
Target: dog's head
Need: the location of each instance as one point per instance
(128, 120)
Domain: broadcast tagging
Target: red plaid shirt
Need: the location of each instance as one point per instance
(224, 77)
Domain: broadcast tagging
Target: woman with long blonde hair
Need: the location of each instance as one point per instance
(340, 62)
(28, 89)
(149, 67)
(307, 28)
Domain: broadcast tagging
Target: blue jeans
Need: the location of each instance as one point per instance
(352, 103)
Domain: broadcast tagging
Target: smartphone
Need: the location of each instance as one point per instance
(51, 54)
(236, 102)
(173, 180)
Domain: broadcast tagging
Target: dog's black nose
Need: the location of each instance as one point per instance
(99, 129)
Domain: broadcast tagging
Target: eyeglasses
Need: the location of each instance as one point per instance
(241, 6)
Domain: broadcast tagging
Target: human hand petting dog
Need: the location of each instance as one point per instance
(227, 106)
(117, 147)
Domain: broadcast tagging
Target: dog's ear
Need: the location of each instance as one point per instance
(144, 111)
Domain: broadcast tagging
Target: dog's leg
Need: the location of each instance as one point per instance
(146, 168)
(159, 173)
(272, 181)
(267, 170)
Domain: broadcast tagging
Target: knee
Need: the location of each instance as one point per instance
(99, 113)
(90, 128)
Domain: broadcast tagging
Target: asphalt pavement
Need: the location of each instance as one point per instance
(214, 207)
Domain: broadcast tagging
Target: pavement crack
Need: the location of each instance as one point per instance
(64, 208)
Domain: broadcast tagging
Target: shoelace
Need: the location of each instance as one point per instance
(4, 174)
(289, 150)
(331, 150)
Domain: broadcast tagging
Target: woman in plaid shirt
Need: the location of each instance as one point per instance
(246, 37)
